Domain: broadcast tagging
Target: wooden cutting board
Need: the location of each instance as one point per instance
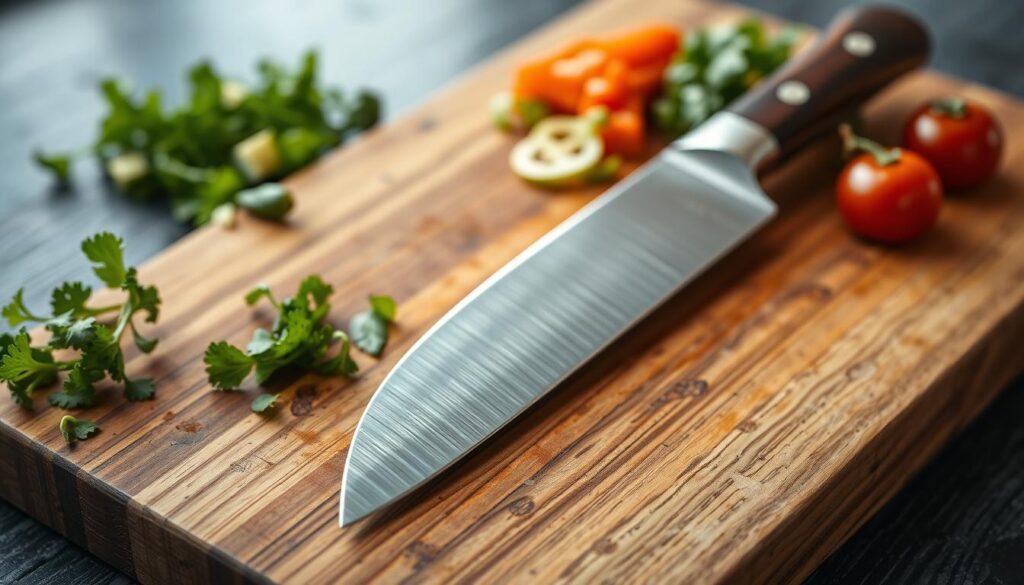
(739, 434)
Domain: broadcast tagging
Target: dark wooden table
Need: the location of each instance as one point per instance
(961, 520)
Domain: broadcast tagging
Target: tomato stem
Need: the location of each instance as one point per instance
(954, 107)
(852, 143)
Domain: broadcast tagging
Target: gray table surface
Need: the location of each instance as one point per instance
(961, 520)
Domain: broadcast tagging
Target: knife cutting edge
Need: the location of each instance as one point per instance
(582, 285)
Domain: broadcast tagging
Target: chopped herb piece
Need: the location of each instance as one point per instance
(73, 429)
(94, 332)
(716, 66)
(370, 328)
(264, 403)
(299, 338)
(200, 155)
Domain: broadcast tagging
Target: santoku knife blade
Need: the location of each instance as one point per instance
(582, 285)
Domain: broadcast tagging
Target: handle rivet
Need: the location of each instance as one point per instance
(859, 44)
(793, 93)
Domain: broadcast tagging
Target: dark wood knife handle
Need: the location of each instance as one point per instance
(863, 50)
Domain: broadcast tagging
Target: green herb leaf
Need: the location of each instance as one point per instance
(342, 364)
(264, 403)
(106, 251)
(17, 313)
(70, 297)
(59, 165)
(144, 344)
(300, 339)
(25, 368)
(78, 391)
(185, 155)
(258, 292)
(74, 325)
(226, 365)
(369, 332)
(139, 389)
(716, 66)
(384, 306)
(73, 429)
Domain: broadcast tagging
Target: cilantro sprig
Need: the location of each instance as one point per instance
(93, 332)
(227, 136)
(716, 66)
(300, 337)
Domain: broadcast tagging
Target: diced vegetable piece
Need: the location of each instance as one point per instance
(606, 170)
(560, 150)
(644, 46)
(625, 133)
(125, 169)
(224, 215)
(609, 89)
(509, 114)
(257, 156)
(232, 93)
(270, 201)
(647, 79)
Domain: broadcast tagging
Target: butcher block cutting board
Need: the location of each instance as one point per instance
(739, 434)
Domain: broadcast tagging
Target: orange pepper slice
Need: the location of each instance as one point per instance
(610, 89)
(644, 46)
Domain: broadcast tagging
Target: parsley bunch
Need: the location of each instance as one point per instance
(93, 332)
(716, 66)
(225, 137)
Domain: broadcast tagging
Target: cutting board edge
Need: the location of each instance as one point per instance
(889, 450)
(80, 508)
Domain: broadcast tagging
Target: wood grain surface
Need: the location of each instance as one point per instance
(742, 432)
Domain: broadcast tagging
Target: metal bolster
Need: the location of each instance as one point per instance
(729, 132)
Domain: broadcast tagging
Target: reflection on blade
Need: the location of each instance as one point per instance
(544, 315)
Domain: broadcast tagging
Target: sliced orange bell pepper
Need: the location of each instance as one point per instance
(644, 46)
(610, 89)
(625, 133)
(647, 79)
(558, 80)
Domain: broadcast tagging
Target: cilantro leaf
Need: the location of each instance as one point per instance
(716, 66)
(264, 403)
(78, 391)
(370, 328)
(258, 292)
(78, 335)
(75, 326)
(226, 365)
(139, 389)
(24, 368)
(384, 306)
(342, 364)
(369, 332)
(73, 429)
(300, 338)
(144, 344)
(17, 313)
(185, 155)
(70, 297)
(59, 165)
(106, 251)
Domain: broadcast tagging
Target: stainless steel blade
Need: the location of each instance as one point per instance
(543, 315)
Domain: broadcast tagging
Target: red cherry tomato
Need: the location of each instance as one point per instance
(961, 139)
(888, 195)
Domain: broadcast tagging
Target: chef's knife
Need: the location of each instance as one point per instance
(579, 287)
